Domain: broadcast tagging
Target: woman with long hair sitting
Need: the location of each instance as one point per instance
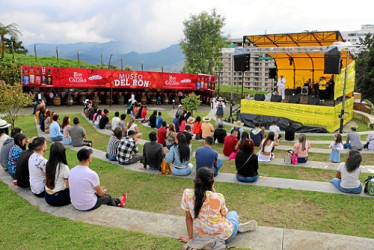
(206, 209)
(246, 162)
(170, 136)
(131, 125)
(347, 175)
(197, 128)
(266, 148)
(179, 156)
(66, 139)
(57, 173)
(301, 148)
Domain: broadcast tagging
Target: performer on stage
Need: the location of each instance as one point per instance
(322, 87)
(330, 88)
(281, 84)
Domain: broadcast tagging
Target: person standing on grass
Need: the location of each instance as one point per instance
(78, 134)
(336, 146)
(127, 147)
(112, 149)
(153, 153)
(84, 185)
(115, 120)
(57, 173)
(206, 210)
(220, 105)
(347, 180)
(55, 130)
(37, 164)
(208, 157)
(246, 162)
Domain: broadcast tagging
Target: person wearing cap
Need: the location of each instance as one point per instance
(219, 134)
(220, 105)
(86, 194)
(8, 143)
(281, 84)
(127, 147)
(208, 157)
(78, 134)
(37, 165)
(207, 128)
(4, 131)
(153, 153)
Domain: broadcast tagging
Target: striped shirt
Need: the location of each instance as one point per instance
(113, 146)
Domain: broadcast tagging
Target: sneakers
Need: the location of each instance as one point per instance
(248, 226)
(123, 200)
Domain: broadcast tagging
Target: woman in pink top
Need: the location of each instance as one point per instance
(301, 148)
(206, 210)
(66, 139)
(181, 123)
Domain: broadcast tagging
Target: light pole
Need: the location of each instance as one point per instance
(344, 90)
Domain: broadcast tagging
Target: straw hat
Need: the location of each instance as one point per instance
(4, 124)
(180, 105)
(190, 119)
(220, 99)
(238, 124)
(206, 119)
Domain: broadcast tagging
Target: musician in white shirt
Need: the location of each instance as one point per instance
(281, 84)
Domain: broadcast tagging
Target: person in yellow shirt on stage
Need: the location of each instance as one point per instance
(322, 87)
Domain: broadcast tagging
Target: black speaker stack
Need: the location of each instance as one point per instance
(332, 61)
(241, 62)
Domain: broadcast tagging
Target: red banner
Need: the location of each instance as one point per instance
(36, 76)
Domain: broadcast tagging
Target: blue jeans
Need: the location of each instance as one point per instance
(336, 183)
(347, 145)
(218, 167)
(58, 199)
(233, 217)
(57, 138)
(67, 142)
(246, 179)
(181, 171)
(112, 157)
(302, 159)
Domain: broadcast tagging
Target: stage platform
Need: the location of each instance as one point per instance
(306, 118)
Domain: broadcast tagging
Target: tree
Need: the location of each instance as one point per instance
(365, 69)
(13, 46)
(12, 99)
(8, 30)
(191, 102)
(203, 41)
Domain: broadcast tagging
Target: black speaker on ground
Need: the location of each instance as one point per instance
(332, 61)
(276, 98)
(294, 99)
(273, 73)
(288, 91)
(259, 97)
(241, 62)
(312, 100)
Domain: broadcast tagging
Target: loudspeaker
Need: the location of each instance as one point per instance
(241, 62)
(273, 73)
(313, 100)
(288, 91)
(294, 99)
(304, 90)
(332, 61)
(259, 97)
(304, 99)
(276, 98)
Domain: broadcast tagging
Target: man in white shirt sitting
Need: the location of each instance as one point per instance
(274, 128)
(115, 120)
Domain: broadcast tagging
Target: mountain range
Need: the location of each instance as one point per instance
(170, 58)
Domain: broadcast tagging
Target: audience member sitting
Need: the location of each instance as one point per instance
(161, 134)
(8, 143)
(246, 162)
(97, 117)
(15, 151)
(179, 155)
(301, 148)
(131, 126)
(66, 139)
(190, 121)
(144, 114)
(37, 164)
(47, 120)
(274, 128)
(230, 143)
(84, 184)
(159, 120)
(238, 125)
(197, 128)
(41, 120)
(175, 122)
(266, 148)
(289, 132)
(219, 134)
(353, 140)
(263, 127)
(152, 119)
(370, 141)
(121, 124)
(206, 210)
(208, 157)
(115, 120)
(22, 168)
(78, 134)
(127, 147)
(153, 153)
(55, 130)
(112, 149)
(4, 131)
(170, 136)
(207, 128)
(181, 123)
(347, 180)
(187, 133)
(104, 121)
(256, 134)
(57, 173)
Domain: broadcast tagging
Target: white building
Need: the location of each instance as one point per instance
(354, 36)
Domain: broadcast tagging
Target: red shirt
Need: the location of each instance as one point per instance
(197, 128)
(143, 114)
(161, 135)
(229, 144)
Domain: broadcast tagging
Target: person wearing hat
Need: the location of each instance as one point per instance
(126, 148)
(4, 131)
(84, 185)
(7, 145)
(190, 121)
(207, 128)
(238, 125)
(281, 84)
(220, 105)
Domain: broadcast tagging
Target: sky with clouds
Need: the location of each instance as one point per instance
(150, 25)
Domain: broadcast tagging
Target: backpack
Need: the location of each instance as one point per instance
(205, 242)
(369, 185)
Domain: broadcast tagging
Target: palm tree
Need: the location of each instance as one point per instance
(8, 30)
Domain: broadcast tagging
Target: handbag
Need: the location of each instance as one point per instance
(165, 167)
(369, 185)
(232, 156)
(294, 159)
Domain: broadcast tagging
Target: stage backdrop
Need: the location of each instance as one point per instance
(307, 115)
(339, 81)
